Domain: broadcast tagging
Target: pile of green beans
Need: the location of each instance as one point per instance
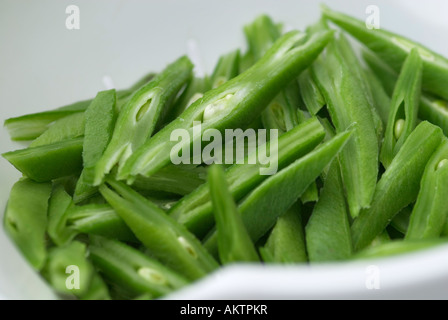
(362, 164)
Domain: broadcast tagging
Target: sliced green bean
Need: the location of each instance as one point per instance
(228, 67)
(398, 247)
(132, 270)
(286, 241)
(100, 219)
(48, 162)
(58, 209)
(138, 118)
(431, 109)
(328, 235)
(380, 95)
(394, 49)
(311, 95)
(234, 243)
(98, 289)
(404, 108)
(399, 185)
(431, 210)
(100, 119)
(25, 219)
(31, 126)
(167, 240)
(68, 270)
(195, 210)
(174, 179)
(234, 104)
(349, 105)
(272, 198)
(69, 127)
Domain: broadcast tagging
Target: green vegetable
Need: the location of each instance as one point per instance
(328, 235)
(195, 209)
(167, 240)
(58, 210)
(25, 219)
(286, 241)
(48, 162)
(431, 211)
(399, 185)
(139, 116)
(234, 104)
(272, 198)
(349, 105)
(394, 49)
(404, 108)
(132, 270)
(234, 243)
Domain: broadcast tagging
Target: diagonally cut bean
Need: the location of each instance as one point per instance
(195, 210)
(131, 269)
(398, 186)
(48, 162)
(272, 198)
(167, 240)
(349, 105)
(328, 235)
(286, 241)
(234, 104)
(403, 109)
(394, 49)
(431, 210)
(25, 219)
(139, 116)
(234, 243)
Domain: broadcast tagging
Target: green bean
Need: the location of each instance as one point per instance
(404, 108)
(100, 119)
(227, 67)
(195, 209)
(234, 104)
(394, 49)
(398, 247)
(272, 198)
(58, 209)
(401, 221)
(286, 241)
(349, 105)
(380, 95)
(431, 109)
(68, 270)
(328, 235)
(135, 272)
(31, 126)
(138, 118)
(48, 162)
(430, 210)
(25, 219)
(176, 179)
(99, 219)
(234, 243)
(167, 240)
(311, 95)
(399, 185)
(69, 127)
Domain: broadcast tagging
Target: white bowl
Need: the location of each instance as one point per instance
(44, 65)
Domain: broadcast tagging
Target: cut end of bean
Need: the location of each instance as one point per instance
(143, 110)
